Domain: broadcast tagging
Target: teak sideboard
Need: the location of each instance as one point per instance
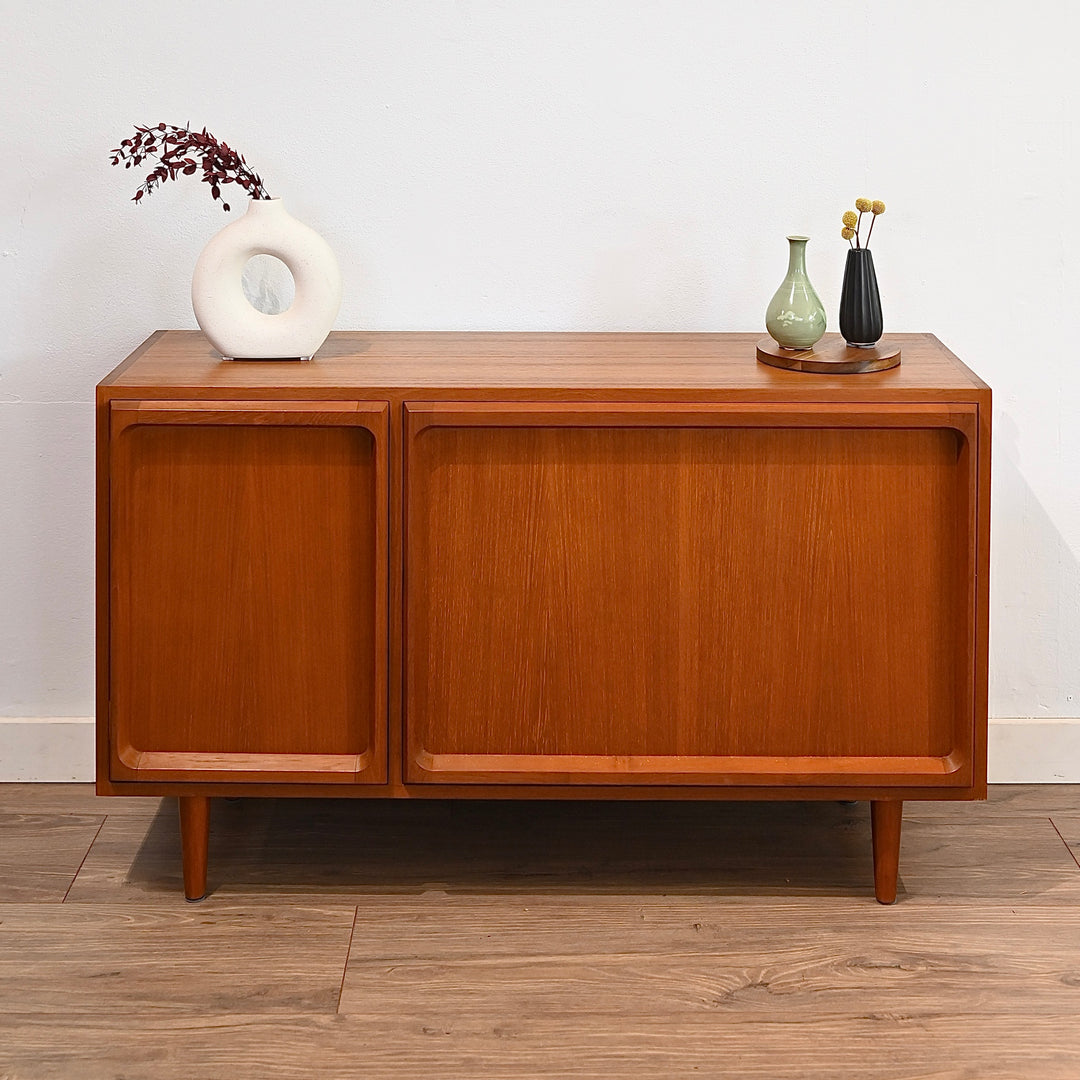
(575, 566)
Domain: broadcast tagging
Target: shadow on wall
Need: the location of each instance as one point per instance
(47, 576)
(1034, 583)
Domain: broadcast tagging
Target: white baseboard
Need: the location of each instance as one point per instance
(1034, 751)
(61, 750)
(53, 750)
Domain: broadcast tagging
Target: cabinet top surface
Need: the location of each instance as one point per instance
(557, 364)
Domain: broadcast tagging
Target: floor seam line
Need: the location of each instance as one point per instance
(1053, 825)
(348, 953)
(82, 861)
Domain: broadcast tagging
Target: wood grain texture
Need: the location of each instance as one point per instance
(649, 588)
(1007, 800)
(247, 609)
(884, 602)
(1011, 801)
(68, 959)
(195, 843)
(318, 851)
(519, 941)
(830, 357)
(450, 959)
(1067, 824)
(27, 798)
(773, 787)
(632, 363)
(734, 932)
(40, 853)
(886, 819)
(872, 1046)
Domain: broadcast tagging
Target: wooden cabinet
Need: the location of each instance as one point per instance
(509, 565)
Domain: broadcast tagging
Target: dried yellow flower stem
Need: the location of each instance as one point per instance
(876, 208)
(853, 221)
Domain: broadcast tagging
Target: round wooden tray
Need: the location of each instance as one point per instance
(832, 356)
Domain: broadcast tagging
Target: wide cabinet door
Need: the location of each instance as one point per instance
(248, 591)
(690, 594)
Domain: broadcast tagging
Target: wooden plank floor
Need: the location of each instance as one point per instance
(539, 940)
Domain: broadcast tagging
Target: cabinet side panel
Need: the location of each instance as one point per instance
(101, 529)
(243, 586)
(736, 593)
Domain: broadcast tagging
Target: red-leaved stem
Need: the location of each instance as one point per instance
(181, 151)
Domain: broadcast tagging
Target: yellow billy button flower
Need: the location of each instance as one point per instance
(847, 233)
(863, 205)
(878, 207)
(850, 219)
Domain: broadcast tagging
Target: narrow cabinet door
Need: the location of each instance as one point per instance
(248, 591)
(690, 594)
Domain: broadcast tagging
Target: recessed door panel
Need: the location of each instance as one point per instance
(698, 594)
(248, 591)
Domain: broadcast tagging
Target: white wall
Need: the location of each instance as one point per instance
(549, 164)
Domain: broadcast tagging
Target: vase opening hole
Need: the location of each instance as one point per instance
(268, 284)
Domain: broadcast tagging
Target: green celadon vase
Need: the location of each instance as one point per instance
(795, 317)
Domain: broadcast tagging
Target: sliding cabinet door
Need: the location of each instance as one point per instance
(715, 594)
(248, 591)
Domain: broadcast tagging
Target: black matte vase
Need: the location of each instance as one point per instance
(860, 302)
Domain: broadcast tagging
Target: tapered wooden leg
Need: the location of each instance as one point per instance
(195, 843)
(885, 816)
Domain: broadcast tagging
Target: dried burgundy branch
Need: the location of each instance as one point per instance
(181, 151)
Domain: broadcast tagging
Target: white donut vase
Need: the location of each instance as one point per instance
(236, 329)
